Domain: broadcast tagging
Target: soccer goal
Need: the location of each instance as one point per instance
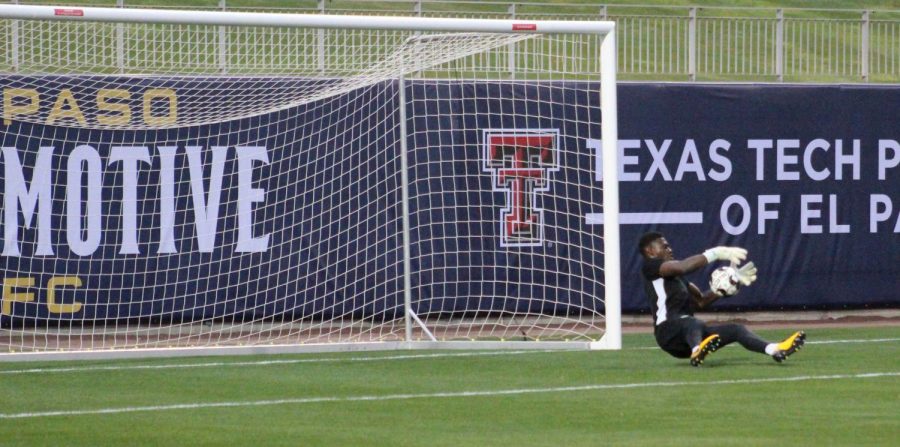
(198, 183)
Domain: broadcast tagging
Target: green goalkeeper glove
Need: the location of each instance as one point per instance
(733, 254)
(746, 274)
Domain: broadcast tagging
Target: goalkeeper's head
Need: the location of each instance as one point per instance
(654, 245)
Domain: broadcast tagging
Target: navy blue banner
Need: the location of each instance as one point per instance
(297, 214)
(502, 178)
(805, 177)
(262, 219)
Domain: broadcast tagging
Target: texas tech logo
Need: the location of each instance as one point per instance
(520, 162)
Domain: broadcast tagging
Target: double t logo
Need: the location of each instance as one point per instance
(520, 162)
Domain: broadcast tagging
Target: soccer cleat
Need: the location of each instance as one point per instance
(707, 346)
(789, 346)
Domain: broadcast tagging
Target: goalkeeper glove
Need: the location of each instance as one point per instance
(746, 274)
(733, 254)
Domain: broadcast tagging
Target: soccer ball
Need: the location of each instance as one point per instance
(724, 281)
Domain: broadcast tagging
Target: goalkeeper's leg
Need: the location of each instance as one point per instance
(730, 333)
(687, 337)
(682, 336)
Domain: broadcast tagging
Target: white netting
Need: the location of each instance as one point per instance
(310, 65)
(185, 185)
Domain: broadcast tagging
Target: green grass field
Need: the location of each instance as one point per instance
(842, 389)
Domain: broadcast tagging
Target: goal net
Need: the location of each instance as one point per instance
(184, 182)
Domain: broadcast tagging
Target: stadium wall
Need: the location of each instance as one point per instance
(806, 177)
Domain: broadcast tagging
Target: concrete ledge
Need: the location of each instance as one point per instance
(807, 318)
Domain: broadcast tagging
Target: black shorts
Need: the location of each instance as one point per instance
(671, 336)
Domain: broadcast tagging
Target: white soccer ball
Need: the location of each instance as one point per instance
(724, 281)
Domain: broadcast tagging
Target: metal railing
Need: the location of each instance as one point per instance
(667, 42)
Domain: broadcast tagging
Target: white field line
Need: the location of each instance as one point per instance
(269, 362)
(76, 369)
(864, 340)
(822, 342)
(439, 395)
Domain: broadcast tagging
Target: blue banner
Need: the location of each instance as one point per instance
(806, 177)
(262, 219)
(296, 214)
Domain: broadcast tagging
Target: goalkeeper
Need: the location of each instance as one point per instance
(674, 300)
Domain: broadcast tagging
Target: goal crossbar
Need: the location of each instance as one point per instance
(231, 18)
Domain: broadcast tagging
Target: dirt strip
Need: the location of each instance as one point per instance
(782, 320)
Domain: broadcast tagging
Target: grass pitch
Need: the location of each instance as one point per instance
(842, 389)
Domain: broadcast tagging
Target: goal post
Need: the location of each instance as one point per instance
(202, 183)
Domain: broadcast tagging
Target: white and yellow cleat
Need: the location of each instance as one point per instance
(707, 346)
(789, 346)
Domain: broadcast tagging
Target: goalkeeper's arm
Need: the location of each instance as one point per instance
(696, 262)
(746, 275)
(702, 299)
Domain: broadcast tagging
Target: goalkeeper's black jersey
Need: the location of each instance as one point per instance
(669, 297)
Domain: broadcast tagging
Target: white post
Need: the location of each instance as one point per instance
(321, 41)
(609, 134)
(223, 43)
(864, 50)
(404, 198)
(603, 12)
(779, 45)
(120, 41)
(417, 8)
(692, 44)
(14, 42)
(511, 48)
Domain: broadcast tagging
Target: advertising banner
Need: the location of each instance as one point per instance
(297, 213)
(806, 177)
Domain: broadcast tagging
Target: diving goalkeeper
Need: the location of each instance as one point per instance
(674, 300)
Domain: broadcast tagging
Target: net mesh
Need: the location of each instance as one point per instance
(181, 185)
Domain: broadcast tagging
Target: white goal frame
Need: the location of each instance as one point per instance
(612, 270)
